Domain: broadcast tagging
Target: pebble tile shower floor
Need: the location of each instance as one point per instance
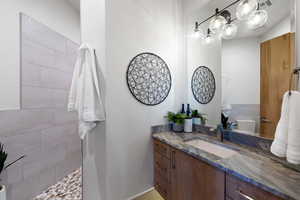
(69, 188)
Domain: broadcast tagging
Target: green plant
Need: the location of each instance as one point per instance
(176, 118)
(202, 116)
(195, 114)
(3, 157)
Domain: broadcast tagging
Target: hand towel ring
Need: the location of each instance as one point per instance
(295, 72)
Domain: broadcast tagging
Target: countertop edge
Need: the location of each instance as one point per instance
(229, 171)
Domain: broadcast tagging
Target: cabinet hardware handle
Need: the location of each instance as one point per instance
(245, 196)
(173, 160)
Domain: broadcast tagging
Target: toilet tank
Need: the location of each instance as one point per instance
(246, 125)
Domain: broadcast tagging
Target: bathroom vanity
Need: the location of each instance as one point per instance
(185, 171)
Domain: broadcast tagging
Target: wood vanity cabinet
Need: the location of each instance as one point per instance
(162, 169)
(179, 176)
(192, 179)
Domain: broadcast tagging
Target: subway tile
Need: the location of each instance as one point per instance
(53, 155)
(47, 177)
(14, 173)
(43, 98)
(38, 54)
(33, 154)
(60, 99)
(72, 47)
(31, 74)
(44, 131)
(73, 143)
(51, 78)
(22, 144)
(26, 189)
(52, 137)
(36, 97)
(39, 33)
(38, 76)
(72, 51)
(16, 122)
(64, 117)
(62, 62)
(71, 129)
(62, 169)
(75, 160)
(32, 169)
(72, 162)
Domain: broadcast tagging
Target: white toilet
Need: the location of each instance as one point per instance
(246, 126)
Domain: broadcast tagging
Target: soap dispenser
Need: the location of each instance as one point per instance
(188, 122)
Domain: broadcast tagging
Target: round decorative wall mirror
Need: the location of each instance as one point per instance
(149, 79)
(203, 85)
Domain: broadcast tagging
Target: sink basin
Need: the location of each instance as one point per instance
(215, 149)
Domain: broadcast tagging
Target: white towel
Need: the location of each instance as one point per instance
(293, 148)
(85, 93)
(279, 145)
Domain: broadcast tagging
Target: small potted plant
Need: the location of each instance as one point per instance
(198, 118)
(203, 118)
(177, 121)
(3, 166)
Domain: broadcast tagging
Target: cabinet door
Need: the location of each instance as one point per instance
(192, 179)
(181, 175)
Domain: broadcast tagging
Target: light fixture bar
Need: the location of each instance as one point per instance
(220, 11)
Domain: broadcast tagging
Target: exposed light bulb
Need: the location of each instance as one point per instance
(229, 31)
(209, 39)
(217, 24)
(198, 34)
(257, 19)
(246, 8)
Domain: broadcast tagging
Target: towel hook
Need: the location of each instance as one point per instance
(295, 72)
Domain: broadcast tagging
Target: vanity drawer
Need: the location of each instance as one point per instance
(162, 148)
(239, 190)
(162, 166)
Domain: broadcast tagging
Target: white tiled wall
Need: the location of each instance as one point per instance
(43, 130)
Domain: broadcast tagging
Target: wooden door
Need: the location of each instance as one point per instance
(277, 62)
(192, 179)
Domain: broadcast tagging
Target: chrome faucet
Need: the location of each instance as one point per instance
(219, 131)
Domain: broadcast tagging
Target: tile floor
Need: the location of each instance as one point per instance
(69, 188)
(152, 195)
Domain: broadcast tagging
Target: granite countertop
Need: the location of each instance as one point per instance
(248, 165)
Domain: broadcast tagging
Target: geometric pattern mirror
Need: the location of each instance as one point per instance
(203, 85)
(149, 79)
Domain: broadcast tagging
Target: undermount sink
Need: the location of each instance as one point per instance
(215, 149)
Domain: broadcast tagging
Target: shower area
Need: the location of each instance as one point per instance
(42, 129)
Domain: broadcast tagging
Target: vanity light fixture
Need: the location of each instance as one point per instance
(221, 24)
(217, 23)
(210, 38)
(198, 33)
(245, 8)
(257, 19)
(230, 29)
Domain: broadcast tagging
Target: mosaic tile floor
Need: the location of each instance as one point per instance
(68, 188)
